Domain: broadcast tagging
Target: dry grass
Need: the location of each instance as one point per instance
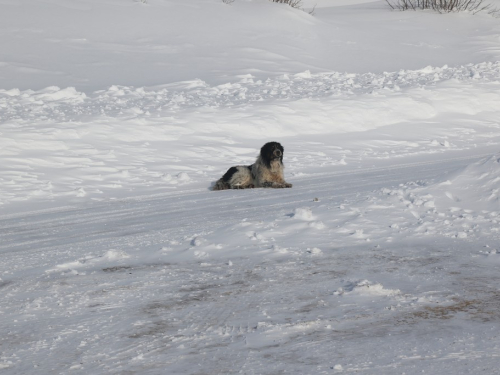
(443, 6)
(293, 3)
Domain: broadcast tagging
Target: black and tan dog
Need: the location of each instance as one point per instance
(267, 171)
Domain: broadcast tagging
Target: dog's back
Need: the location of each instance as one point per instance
(239, 177)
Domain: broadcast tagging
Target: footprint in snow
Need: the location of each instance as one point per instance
(279, 249)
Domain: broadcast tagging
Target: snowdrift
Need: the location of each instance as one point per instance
(476, 188)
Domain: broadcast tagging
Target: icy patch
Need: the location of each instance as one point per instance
(183, 177)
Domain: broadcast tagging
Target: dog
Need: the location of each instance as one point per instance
(266, 172)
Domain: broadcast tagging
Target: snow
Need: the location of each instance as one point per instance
(116, 117)
(141, 140)
(92, 44)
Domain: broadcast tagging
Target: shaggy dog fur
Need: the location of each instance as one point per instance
(267, 171)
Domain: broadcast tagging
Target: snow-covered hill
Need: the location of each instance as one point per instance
(94, 44)
(117, 116)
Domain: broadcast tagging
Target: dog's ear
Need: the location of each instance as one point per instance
(266, 154)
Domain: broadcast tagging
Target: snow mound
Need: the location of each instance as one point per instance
(463, 205)
(477, 187)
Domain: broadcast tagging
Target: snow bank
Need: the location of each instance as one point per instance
(463, 204)
(476, 188)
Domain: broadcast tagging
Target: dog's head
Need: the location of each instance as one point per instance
(272, 151)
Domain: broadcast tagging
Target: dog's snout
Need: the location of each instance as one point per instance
(277, 153)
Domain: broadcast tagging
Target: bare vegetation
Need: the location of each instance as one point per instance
(443, 6)
(292, 3)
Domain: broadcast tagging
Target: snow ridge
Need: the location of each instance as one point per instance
(126, 101)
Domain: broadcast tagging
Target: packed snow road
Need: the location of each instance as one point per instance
(329, 276)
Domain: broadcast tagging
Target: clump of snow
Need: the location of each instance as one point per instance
(366, 288)
(183, 177)
(317, 225)
(304, 213)
(315, 251)
(109, 259)
(115, 255)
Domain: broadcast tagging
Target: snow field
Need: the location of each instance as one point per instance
(373, 241)
(156, 43)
